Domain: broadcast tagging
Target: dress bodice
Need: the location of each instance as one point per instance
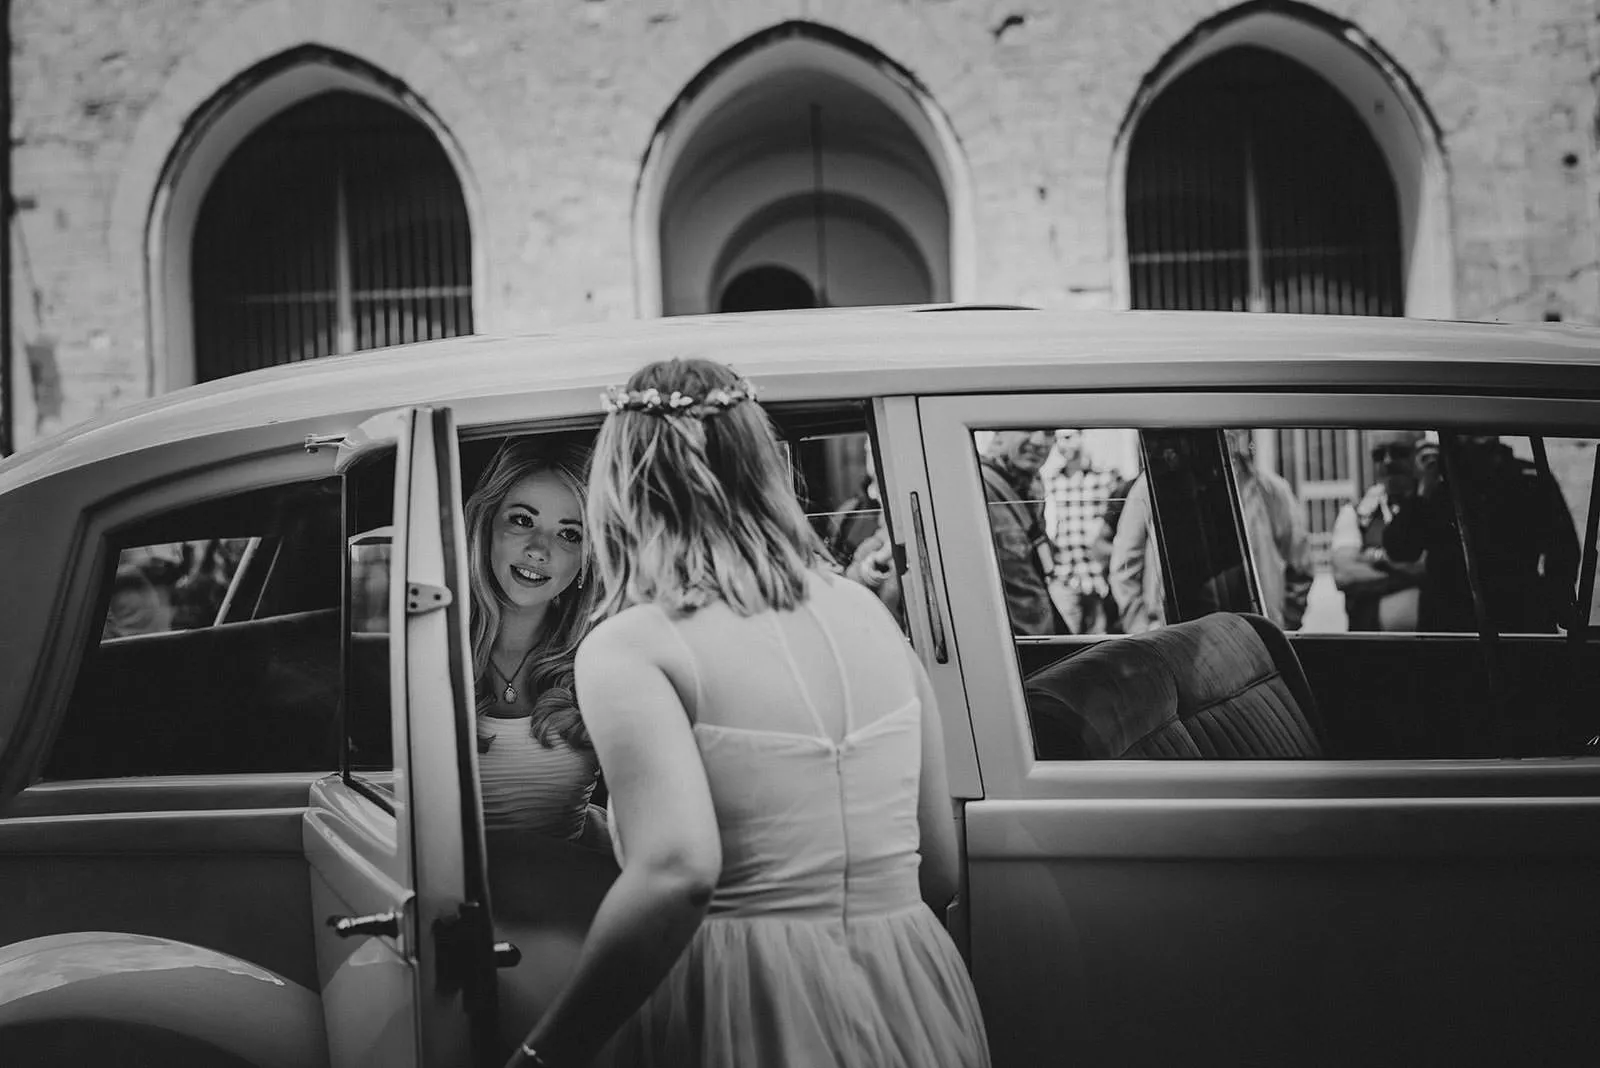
(810, 825)
(817, 812)
(528, 786)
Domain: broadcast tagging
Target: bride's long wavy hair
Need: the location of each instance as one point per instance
(555, 709)
(687, 509)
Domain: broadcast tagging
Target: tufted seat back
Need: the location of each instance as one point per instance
(1225, 686)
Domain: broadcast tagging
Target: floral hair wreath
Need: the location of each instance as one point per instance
(616, 399)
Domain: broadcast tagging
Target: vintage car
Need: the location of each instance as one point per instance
(1277, 819)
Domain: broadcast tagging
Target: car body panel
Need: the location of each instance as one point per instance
(52, 985)
(1143, 912)
(149, 872)
(368, 984)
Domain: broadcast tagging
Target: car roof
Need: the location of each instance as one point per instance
(830, 353)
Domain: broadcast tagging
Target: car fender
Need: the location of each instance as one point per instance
(64, 991)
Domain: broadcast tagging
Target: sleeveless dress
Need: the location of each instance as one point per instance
(817, 949)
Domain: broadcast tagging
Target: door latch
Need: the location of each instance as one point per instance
(379, 923)
(460, 941)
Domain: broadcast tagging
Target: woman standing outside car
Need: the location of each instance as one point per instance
(783, 818)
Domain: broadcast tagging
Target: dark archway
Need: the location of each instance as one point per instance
(337, 225)
(764, 160)
(767, 288)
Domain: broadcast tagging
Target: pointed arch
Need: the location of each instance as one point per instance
(1389, 104)
(887, 150)
(230, 119)
(379, 54)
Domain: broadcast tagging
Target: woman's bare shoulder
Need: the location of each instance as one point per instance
(637, 631)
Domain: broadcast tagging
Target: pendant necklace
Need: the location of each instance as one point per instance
(509, 694)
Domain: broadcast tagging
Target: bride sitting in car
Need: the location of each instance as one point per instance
(531, 601)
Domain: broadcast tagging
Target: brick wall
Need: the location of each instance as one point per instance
(553, 103)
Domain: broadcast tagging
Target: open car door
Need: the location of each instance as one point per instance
(395, 842)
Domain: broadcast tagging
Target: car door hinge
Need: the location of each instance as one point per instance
(422, 597)
(319, 441)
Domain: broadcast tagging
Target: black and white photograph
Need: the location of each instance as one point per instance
(800, 533)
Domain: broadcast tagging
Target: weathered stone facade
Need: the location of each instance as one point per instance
(552, 106)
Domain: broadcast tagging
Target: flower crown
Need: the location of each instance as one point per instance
(616, 399)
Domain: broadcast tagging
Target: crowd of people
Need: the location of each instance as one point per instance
(1076, 541)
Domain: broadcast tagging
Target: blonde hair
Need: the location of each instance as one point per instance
(555, 708)
(687, 509)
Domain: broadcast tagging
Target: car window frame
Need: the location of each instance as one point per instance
(985, 646)
(79, 613)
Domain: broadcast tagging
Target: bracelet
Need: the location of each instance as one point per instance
(532, 1056)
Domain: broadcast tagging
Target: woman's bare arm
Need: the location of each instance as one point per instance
(672, 852)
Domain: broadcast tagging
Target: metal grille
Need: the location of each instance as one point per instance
(1253, 185)
(338, 226)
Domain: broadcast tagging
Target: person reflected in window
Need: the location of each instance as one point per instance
(532, 598)
(1525, 546)
(1275, 525)
(1105, 545)
(138, 605)
(1135, 565)
(873, 566)
(1077, 496)
(860, 517)
(1015, 495)
(1379, 593)
(776, 765)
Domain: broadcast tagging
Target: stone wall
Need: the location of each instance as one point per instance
(553, 103)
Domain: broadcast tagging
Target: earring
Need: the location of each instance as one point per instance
(580, 582)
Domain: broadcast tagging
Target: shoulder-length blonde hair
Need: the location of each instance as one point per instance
(555, 708)
(686, 509)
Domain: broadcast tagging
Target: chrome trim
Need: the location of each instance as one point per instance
(941, 649)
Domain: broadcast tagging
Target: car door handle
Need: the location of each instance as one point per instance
(379, 923)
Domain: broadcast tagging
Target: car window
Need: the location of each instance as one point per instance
(218, 648)
(1394, 593)
(368, 735)
(838, 481)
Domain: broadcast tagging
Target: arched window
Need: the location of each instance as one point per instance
(1253, 185)
(338, 225)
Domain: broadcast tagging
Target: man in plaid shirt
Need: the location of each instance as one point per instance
(1076, 495)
